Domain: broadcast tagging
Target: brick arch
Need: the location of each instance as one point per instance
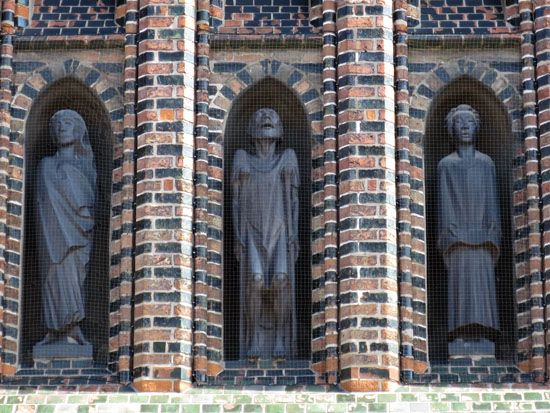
(444, 74)
(294, 79)
(110, 99)
(42, 78)
(423, 96)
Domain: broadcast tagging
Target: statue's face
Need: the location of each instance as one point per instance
(464, 127)
(64, 130)
(266, 124)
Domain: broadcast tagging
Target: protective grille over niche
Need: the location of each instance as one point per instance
(473, 172)
(67, 189)
(267, 225)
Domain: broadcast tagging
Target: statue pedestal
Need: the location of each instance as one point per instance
(466, 348)
(64, 355)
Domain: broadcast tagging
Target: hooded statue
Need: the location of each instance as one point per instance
(265, 220)
(66, 185)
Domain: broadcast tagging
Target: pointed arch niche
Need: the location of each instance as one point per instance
(268, 93)
(495, 139)
(68, 93)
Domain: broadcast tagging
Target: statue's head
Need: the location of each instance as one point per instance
(463, 123)
(68, 128)
(265, 124)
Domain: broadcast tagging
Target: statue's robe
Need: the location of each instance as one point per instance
(469, 240)
(265, 221)
(66, 197)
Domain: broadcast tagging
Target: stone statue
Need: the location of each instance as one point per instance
(265, 219)
(66, 184)
(469, 237)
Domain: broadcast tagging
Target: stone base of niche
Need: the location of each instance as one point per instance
(471, 370)
(265, 372)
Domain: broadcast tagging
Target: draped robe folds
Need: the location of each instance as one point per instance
(264, 226)
(469, 240)
(66, 197)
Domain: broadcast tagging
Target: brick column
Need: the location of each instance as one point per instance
(8, 334)
(541, 14)
(529, 295)
(164, 196)
(369, 335)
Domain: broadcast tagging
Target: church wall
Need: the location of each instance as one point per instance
(34, 71)
(169, 92)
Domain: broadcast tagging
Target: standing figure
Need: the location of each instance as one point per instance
(66, 184)
(469, 237)
(265, 219)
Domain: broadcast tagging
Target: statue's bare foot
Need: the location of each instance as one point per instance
(76, 334)
(49, 339)
(279, 351)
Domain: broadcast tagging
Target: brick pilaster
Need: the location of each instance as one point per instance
(164, 195)
(369, 336)
(7, 338)
(530, 323)
(541, 30)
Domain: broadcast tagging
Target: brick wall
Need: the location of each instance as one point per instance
(72, 18)
(461, 17)
(261, 17)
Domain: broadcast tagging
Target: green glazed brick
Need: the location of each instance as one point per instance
(83, 409)
(252, 408)
(542, 405)
(469, 397)
(99, 399)
(44, 408)
(191, 408)
(337, 408)
(159, 398)
(14, 400)
(315, 408)
(345, 398)
(449, 397)
(408, 397)
(275, 408)
(241, 399)
(365, 398)
(6, 408)
(118, 398)
(149, 408)
(210, 408)
(294, 408)
(433, 397)
(73, 399)
(502, 406)
(440, 407)
(532, 396)
(481, 406)
(387, 397)
(169, 408)
(459, 406)
(139, 398)
(490, 397)
(512, 396)
(358, 408)
(377, 407)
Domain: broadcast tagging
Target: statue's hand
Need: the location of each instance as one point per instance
(294, 246)
(85, 212)
(238, 250)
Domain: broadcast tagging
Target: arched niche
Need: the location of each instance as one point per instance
(495, 139)
(268, 93)
(68, 93)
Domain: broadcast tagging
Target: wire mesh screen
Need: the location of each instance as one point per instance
(469, 172)
(267, 215)
(66, 222)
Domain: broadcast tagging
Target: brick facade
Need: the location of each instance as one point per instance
(169, 77)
